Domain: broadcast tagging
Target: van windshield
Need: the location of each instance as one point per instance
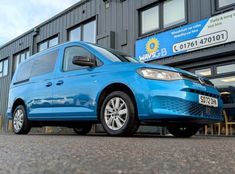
(113, 55)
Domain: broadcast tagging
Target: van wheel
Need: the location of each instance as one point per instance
(20, 121)
(183, 131)
(82, 130)
(118, 115)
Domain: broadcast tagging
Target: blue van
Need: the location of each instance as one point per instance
(77, 84)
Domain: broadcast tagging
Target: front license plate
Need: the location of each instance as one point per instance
(208, 101)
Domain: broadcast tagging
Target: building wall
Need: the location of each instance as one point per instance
(117, 27)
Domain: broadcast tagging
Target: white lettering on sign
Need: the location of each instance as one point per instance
(201, 42)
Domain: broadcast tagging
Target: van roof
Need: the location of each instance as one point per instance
(54, 48)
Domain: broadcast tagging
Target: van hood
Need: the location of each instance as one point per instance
(155, 66)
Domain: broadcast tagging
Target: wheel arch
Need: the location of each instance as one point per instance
(111, 88)
(16, 103)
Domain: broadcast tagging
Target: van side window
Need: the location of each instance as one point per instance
(44, 64)
(24, 71)
(70, 52)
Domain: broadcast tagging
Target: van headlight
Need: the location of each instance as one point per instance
(157, 74)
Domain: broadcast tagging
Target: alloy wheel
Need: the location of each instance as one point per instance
(18, 120)
(116, 113)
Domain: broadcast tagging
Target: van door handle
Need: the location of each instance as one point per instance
(60, 82)
(48, 84)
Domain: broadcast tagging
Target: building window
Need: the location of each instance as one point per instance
(225, 69)
(85, 32)
(43, 46)
(75, 34)
(89, 32)
(19, 58)
(204, 72)
(224, 3)
(170, 12)
(173, 12)
(53, 42)
(150, 20)
(3, 67)
(226, 86)
(48, 43)
(223, 77)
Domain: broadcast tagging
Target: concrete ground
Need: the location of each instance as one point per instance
(55, 154)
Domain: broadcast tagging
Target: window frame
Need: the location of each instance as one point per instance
(213, 67)
(227, 105)
(47, 42)
(226, 7)
(85, 67)
(3, 67)
(73, 28)
(215, 75)
(177, 24)
(25, 51)
(208, 67)
(223, 74)
(193, 70)
(81, 25)
(161, 19)
(141, 20)
(82, 29)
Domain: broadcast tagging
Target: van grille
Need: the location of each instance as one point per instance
(204, 93)
(188, 108)
(196, 79)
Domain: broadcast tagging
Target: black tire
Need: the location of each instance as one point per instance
(83, 129)
(183, 131)
(131, 123)
(25, 127)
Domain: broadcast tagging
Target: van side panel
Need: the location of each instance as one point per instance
(40, 97)
(75, 98)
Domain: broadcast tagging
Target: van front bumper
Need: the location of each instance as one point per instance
(175, 101)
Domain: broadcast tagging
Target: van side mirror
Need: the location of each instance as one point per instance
(84, 61)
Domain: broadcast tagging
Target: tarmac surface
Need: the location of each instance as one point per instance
(92, 154)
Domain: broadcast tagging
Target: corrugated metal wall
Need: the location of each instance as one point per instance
(7, 52)
(117, 27)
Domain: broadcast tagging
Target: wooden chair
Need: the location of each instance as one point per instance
(217, 126)
(213, 129)
(228, 124)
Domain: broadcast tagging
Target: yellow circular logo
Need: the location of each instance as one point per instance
(152, 45)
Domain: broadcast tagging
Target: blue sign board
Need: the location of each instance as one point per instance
(205, 33)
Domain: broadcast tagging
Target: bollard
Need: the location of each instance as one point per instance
(9, 126)
(48, 130)
(93, 129)
(1, 122)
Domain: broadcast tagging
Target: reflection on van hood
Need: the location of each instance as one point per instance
(155, 66)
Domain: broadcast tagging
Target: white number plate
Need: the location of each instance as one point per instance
(208, 101)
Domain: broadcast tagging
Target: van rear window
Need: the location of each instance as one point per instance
(37, 66)
(24, 71)
(44, 64)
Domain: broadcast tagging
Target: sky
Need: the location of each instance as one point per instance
(19, 16)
